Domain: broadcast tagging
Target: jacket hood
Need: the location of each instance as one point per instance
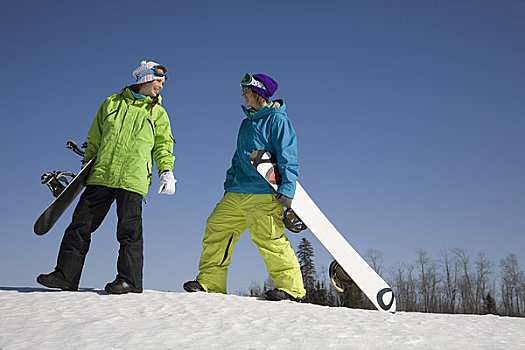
(277, 106)
(148, 99)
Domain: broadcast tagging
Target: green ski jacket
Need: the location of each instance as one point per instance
(126, 136)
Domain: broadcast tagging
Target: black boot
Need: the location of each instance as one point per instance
(119, 286)
(55, 279)
(193, 286)
(277, 295)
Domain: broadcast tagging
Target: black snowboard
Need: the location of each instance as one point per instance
(51, 215)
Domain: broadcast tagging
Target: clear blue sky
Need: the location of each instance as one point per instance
(409, 116)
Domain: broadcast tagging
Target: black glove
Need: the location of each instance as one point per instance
(285, 201)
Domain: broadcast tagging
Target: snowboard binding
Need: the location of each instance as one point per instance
(292, 221)
(338, 277)
(74, 147)
(57, 181)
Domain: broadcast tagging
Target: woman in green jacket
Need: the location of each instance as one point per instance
(131, 130)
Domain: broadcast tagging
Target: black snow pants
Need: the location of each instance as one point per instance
(89, 213)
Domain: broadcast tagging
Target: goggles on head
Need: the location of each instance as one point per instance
(249, 80)
(158, 70)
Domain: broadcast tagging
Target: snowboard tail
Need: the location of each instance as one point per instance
(65, 196)
(372, 285)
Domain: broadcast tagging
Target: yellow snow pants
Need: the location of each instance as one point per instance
(261, 214)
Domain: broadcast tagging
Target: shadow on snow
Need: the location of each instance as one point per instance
(45, 290)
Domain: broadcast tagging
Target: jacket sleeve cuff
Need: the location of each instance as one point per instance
(163, 169)
(287, 189)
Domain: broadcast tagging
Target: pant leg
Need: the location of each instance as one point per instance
(223, 229)
(92, 208)
(264, 217)
(129, 234)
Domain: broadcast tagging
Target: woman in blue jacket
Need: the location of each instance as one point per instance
(250, 203)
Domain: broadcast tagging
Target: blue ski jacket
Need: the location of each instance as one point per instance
(269, 129)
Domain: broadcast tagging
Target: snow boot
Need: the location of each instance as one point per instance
(55, 280)
(119, 286)
(278, 295)
(193, 286)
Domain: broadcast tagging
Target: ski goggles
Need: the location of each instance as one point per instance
(249, 80)
(158, 70)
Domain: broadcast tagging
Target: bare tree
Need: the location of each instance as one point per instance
(482, 280)
(399, 285)
(268, 284)
(466, 289)
(423, 261)
(255, 289)
(404, 287)
(428, 283)
(450, 282)
(512, 287)
(375, 258)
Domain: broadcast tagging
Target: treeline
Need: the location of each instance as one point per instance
(458, 283)
(454, 282)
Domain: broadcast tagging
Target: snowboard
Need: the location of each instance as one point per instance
(50, 216)
(372, 285)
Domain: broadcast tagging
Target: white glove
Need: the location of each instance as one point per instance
(167, 183)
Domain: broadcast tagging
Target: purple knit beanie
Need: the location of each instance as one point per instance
(270, 84)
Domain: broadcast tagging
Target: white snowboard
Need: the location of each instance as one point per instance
(374, 287)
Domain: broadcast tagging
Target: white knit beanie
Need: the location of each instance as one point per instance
(145, 65)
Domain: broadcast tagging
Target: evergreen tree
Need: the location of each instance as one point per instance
(305, 255)
(489, 304)
(321, 294)
(354, 298)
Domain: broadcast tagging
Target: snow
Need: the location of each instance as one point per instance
(90, 319)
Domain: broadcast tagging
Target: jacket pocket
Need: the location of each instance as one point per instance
(149, 167)
(225, 257)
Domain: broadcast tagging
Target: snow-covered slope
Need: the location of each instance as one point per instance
(32, 318)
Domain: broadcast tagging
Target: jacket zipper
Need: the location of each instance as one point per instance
(150, 171)
(106, 117)
(152, 128)
(150, 174)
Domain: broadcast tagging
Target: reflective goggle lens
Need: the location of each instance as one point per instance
(160, 69)
(246, 80)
